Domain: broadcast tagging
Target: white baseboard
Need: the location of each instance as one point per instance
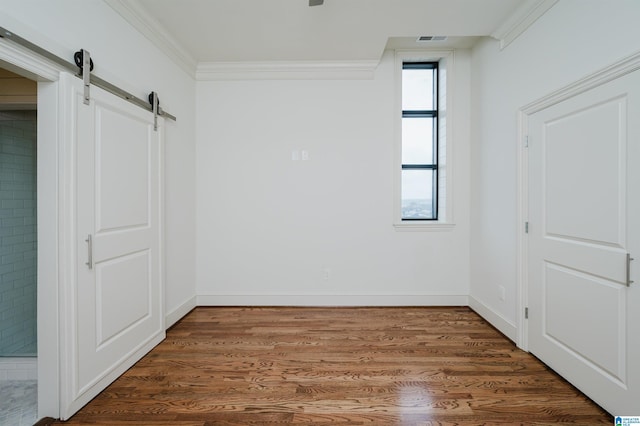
(179, 312)
(505, 326)
(331, 300)
(19, 368)
(502, 324)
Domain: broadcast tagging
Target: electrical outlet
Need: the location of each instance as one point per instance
(326, 274)
(502, 292)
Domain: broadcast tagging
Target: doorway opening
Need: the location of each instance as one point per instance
(18, 248)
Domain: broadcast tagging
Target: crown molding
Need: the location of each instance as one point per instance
(287, 70)
(150, 28)
(528, 13)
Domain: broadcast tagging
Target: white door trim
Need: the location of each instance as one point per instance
(620, 68)
(52, 170)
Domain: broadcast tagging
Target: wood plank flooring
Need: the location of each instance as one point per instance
(379, 366)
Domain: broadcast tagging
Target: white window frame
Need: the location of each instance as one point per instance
(445, 61)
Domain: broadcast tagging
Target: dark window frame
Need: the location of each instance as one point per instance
(433, 114)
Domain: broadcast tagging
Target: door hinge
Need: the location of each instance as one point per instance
(526, 227)
(526, 141)
(526, 313)
(89, 242)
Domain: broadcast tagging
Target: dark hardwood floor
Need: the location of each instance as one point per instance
(380, 366)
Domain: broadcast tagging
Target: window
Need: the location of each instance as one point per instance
(423, 154)
(419, 141)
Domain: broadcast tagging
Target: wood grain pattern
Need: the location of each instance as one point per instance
(380, 366)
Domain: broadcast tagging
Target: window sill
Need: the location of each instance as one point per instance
(423, 226)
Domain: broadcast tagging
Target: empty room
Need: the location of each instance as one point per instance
(319, 211)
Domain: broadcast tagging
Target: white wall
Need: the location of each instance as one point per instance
(276, 231)
(573, 39)
(124, 57)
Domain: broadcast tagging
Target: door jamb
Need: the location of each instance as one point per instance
(51, 170)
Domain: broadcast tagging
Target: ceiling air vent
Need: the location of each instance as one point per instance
(423, 39)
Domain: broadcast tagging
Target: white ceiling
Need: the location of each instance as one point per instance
(206, 31)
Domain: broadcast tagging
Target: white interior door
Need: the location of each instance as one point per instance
(117, 310)
(584, 214)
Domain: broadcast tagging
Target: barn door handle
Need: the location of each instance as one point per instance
(629, 259)
(89, 242)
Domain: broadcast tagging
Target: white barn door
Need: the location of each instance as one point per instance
(584, 213)
(116, 314)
